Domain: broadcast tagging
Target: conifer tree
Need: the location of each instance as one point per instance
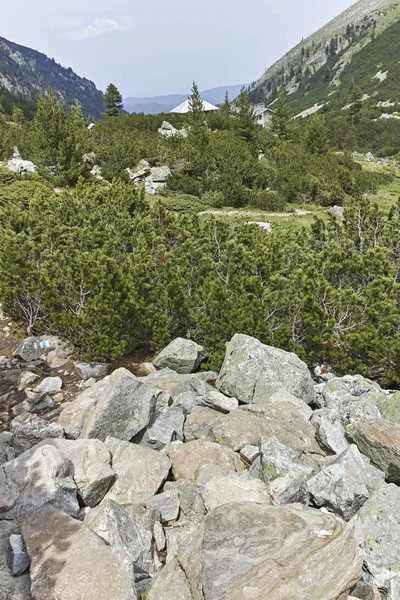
(281, 124)
(226, 108)
(317, 139)
(244, 116)
(112, 102)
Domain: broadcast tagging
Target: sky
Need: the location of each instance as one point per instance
(155, 47)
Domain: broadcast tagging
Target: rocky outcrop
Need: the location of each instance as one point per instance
(154, 178)
(182, 356)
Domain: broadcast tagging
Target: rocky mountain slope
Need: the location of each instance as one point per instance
(25, 73)
(360, 48)
(255, 482)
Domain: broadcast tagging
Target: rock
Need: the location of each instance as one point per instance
(337, 211)
(182, 356)
(88, 370)
(191, 504)
(93, 474)
(11, 588)
(365, 591)
(249, 454)
(345, 484)
(252, 372)
(57, 358)
(159, 536)
(146, 368)
(33, 431)
(279, 460)
(166, 428)
(302, 407)
(49, 385)
(188, 401)
(125, 534)
(377, 530)
(330, 431)
(34, 479)
(120, 405)
(246, 425)
(71, 562)
(6, 453)
(26, 379)
(218, 486)
(17, 165)
(140, 472)
(349, 389)
(142, 170)
(220, 402)
(379, 440)
(277, 552)
(19, 559)
(167, 503)
(198, 422)
(357, 410)
(390, 407)
(33, 348)
(187, 459)
(170, 583)
(176, 383)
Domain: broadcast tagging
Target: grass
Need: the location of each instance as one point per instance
(387, 194)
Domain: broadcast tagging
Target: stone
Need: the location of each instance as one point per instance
(140, 472)
(33, 348)
(357, 410)
(246, 425)
(252, 372)
(350, 388)
(146, 368)
(126, 534)
(93, 474)
(191, 504)
(377, 530)
(71, 562)
(49, 385)
(218, 485)
(198, 422)
(330, 432)
(379, 440)
(365, 591)
(345, 484)
(249, 454)
(302, 407)
(19, 559)
(6, 453)
(289, 489)
(279, 460)
(170, 583)
(159, 536)
(57, 358)
(11, 588)
(176, 383)
(181, 355)
(166, 428)
(220, 402)
(119, 405)
(36, 478)
(187, 459)
(88, 370)
(323, 373)
(167, 503)
(275, 552)
(26, 379)
(188, 401)
(390, 407)
(22, 409)
(33, 431)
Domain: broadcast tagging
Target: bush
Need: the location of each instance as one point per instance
(214, 199)
(266, 200)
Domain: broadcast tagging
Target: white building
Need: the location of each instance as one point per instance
(262, 115)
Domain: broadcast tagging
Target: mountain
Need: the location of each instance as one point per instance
(358, 49)
(24, 73)
(163, 104)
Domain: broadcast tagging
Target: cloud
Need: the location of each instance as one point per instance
(101, 27)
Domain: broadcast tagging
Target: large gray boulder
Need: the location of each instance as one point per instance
(167, 427)
(93, 474)
(33, 348)
(120, 405)
(71, 562)
(331, 434)
(167, 503)
(187, 459)
(11, 587)
(249, 550)
(390, 407)
(177, 383)
(198, 422)
(88, 370)
(182, 356)
(351, 388)
(36, 478)
(33, 431)
(345, 483)
(252, 372)
(170, 583)
(380, 441)
(220, 402)
(377, 530)
(140, 472)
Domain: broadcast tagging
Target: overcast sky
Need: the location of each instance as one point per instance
(152, 47)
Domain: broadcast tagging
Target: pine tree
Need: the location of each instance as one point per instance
(47, 130)
(355, 101)
(317, 139)
(226, 108)
(112, 102)
(244, 116)
(281, 124)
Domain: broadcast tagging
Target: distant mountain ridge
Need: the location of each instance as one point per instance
(163, 104)
(27, 72)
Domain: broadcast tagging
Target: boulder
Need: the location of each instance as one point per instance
(380, 441)
(120, 405)
(390, 407)
(181, 355)
(246, 425)
(57, 358)
(126, 534)
(279, 460)
(11, 587)
(33, 431)
(220, 402)
(345, 484)
(198, 422)
(190, 502)
(252, 372)
(26, 379)
(176, 383)
(330, 431)
(170, 583)
(302, 407)
(38, 477)
(49, 385)
(349, 389)
(187, 459)
(249, 454)
(188, 401)
(88, 370)
(93, 474)
(377, 530)
(33, 348)
(140, 472)
(71, 562)
(166, 428)
(167, 503)
(249, 550)
(19, 559)
(218, 485)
